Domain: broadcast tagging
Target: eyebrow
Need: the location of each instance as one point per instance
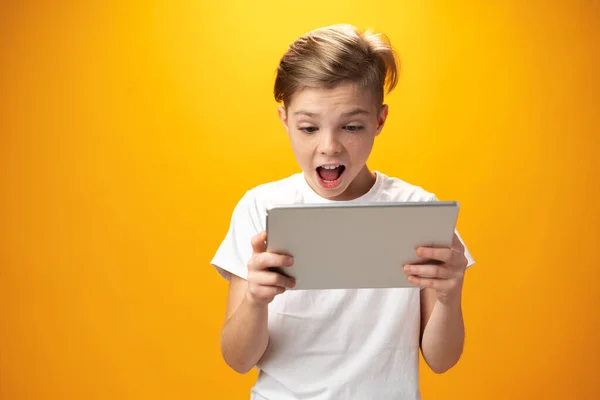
(356, 111)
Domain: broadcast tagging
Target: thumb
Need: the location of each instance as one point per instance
(259, 244)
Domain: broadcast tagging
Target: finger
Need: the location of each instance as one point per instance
(267, 260)
(435, 253)
(259, 242)
(433, 283)
(457, 244)
(265, 293)
(270, 278)
(429, 271)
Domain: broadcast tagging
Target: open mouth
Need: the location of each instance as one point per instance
(330, 175)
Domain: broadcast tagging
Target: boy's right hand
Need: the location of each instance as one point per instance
(264, 284)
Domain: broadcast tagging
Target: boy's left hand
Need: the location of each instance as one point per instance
(446, 276)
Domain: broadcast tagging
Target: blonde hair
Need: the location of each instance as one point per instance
(329, 56)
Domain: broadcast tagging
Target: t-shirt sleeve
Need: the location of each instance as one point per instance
(235, 250)
(470, 260)
(467, 253)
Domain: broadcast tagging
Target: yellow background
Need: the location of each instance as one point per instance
(129, 130)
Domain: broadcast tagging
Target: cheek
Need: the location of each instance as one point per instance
(360, 147)
(301, 148)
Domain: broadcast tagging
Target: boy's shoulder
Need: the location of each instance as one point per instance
(283, 187)
(287, 190)
(399, 190)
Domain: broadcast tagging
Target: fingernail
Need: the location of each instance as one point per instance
(408, 268)
(290, 261)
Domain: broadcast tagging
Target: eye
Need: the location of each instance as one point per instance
(353, 128)
(308, 129)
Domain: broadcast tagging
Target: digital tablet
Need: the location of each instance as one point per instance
(357, 245)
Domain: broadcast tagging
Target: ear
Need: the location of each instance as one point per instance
(283, 117)
(381, 118)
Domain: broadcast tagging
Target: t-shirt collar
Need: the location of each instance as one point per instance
(310, 196)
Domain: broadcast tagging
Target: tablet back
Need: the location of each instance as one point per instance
(356, 245)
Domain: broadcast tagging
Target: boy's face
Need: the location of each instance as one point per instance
(332, 132)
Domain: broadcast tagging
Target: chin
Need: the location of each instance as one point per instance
(331, 193)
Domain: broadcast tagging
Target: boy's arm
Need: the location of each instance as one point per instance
(442, 331)
(442, 326)
(245, 336)
(245, 333)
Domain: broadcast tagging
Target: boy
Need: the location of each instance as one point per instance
(335, 344)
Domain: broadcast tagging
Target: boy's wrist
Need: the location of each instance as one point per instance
(453, 300)
(255, 304)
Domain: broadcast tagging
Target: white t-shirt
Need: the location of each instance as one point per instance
(330, 344)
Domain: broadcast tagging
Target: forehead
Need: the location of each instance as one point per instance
(339, 99)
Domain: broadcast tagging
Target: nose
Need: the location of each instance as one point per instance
(329, 143)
